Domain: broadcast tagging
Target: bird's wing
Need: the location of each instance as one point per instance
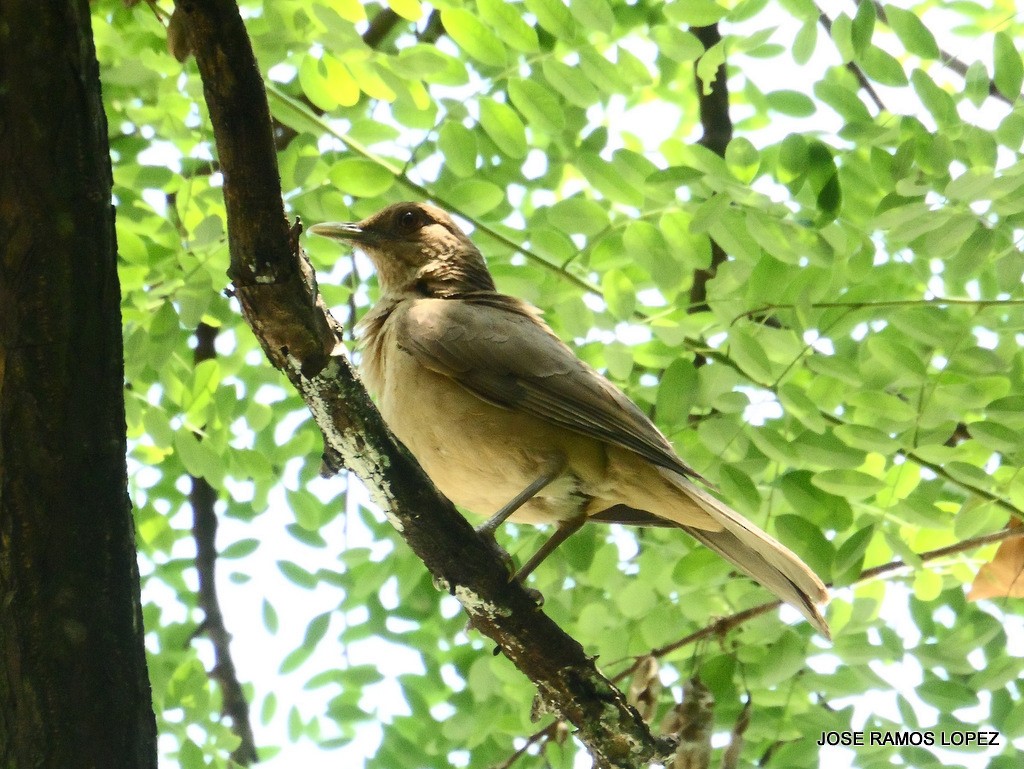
(498, 348)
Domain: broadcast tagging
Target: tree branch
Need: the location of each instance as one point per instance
(717, 133)
(724, 625)
(946, 59)
(380, 27)
(202, 499)
(276, 288)
(862, 79)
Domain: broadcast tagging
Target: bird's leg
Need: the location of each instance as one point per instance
(488, 527)
(564, 530)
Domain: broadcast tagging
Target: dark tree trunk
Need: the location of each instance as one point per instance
(74, 691)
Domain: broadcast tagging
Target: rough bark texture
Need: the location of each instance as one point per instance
(275, 287)
(74, 691)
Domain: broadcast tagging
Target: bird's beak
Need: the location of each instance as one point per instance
(351, 231)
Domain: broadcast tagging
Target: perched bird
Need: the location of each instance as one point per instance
(508, 422)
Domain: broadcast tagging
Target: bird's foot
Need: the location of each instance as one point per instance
(535, 595)
(500, 553)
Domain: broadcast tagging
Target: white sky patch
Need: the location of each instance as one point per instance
(820, 344)
(762, 407)
(987, 340)
(632, 334)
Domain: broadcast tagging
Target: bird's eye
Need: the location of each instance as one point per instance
(409, 221)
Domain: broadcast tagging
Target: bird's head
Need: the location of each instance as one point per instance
(417, 248)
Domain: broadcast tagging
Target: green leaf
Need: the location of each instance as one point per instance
(427, 63)
(805, 42)
(947, 696)
(742, 158)
(851, 484)
(842, 36)
(645, 243)
(796, 401)
(361, 178)
(473, 37)
(554, 16)
(190, 756)
(570, 82)
(502, 124)
(750, 355)
(407, 9)
(708, 64)
(541, 108)
(578, 215)
(309, 512)
(292, 662)
(897, 358)
(792, 103)
(270, 619)
(608, 77)
(863, 27)
(912, 32)
(850, 556)
(316, 630)
(607, 180)
(475, 197)
(936, 100)
(507, 22)
(881, 66)
(370, 81)
(793, 158)
(996, 436)
(240, 549)
(338, 83)
(695, 13)
(977, 83)
(826, 450)
(619, 294)
(313, 80)
(843, 101)
(738, 487)
(198, 458)
(677, 393)
(677, 44)
(806, 540)
(594, 15)
(297, 575)
(1009, 69)
(458, 145)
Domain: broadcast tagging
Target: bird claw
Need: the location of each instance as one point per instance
(499, 552)
(535, 595)
(513, 574)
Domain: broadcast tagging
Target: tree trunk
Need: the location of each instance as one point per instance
(74, 690)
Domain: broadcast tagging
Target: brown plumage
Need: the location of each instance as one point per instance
(504, 417)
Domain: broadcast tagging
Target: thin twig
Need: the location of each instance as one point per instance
(544, 734)
(937, 302)
(724, 625)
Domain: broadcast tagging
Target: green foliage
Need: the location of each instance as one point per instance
(861, 393)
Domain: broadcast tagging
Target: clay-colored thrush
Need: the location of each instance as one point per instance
(504, 417)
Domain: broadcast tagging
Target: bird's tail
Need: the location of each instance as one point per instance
(758, 555)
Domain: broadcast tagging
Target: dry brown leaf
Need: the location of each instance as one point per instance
(645, 688)
(1003, 576)
(693, 721)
